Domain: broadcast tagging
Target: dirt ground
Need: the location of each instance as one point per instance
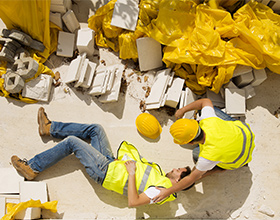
(246, 193)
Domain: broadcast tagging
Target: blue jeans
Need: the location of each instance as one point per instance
(95, 156)
(219, 114)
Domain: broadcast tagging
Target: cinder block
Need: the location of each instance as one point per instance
(2, 206)
(32, 190)
(241, 69)
(85, 41)
(27, 67)
(243, 80)
(174, 92)
(259, 77)
(189, 98)
(235, 101)
(70, 20)
(125, 14)
(9, 181)
(249, 91)
(56, 19)
(216, 99)
(74, 69)
(38, 88)
(65, 46)
(149, 53)
(113, 94)
(13, 82)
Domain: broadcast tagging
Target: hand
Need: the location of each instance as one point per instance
(163, 194)
(130, 167)
(179, 113)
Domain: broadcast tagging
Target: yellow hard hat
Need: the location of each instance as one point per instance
(184, 130)
(148, 125)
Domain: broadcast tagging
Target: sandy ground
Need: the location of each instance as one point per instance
(237, 194)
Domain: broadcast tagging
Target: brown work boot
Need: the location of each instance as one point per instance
(23, 168)
(44, 122)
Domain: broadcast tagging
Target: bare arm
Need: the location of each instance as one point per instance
(182, 184)
(133, 198)
(196, 105)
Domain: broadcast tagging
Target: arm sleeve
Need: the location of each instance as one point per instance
(204, 164)
(207, 112)
(151, 192)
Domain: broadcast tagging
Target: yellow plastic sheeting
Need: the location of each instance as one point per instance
(32, 18)
(203, 35)
(13, 209)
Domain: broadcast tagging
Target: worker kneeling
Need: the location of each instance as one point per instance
(224, 143)
(129, 174)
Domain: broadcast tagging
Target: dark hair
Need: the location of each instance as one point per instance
(199, 138)
(184, 174)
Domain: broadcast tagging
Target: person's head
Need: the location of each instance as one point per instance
(186, 131)
(177, 174)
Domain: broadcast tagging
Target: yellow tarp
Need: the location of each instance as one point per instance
(32, 18)
(205, 38)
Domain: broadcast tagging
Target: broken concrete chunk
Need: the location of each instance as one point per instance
(85, 41)
(149, 53)
(56, 19)
(174, 92)
(249, 91)
(189, 97)
(266, 210)
(243, 80)
(13, 82)
(235, 101)
(259, 77)
(70, 20)
(241, 69)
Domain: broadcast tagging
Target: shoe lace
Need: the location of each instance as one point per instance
(24, 161)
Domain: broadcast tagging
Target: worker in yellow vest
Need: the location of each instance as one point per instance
(222, 142)
(129, 174)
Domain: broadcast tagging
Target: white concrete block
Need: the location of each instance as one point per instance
(159, 86)
(153, 106)
(89, 75)
(32, 190)
(85, 41)
(125, 14)
(182, 99)
(113, 94)
(58, 8)
(83, 73)
(149, 53)
(38, 88)
(259, 77)
(74, 69)
(235, 101)
(70, 20)
(98, 85)
(249, 91)
(9, 181)
(2, 206)
(243, 80)
(216, 99)
(65, 46)
(241, 69)
(174, 92)
(189, 98)
(56, 19)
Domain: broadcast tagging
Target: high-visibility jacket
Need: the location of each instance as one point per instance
(230, 142)
(147, 173)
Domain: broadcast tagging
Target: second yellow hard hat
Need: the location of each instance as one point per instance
(148, 125)
(184, 130)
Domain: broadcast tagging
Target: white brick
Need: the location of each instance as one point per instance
(2, 206)
(32, 190)
(243, 80)
(65, 45)
(125, 14)
(74, 69)
(235, 101)
(249, 91)
(174, 92)
(259, 77)
(113, 94)
(182, 99)
(241, 69)
(149, 53)
(70, 20)
(189, 98)
(85, 41)
(216, 99)
(89, 75)
(38, 88)
(9, 181)
(99, 82)
(56, 19)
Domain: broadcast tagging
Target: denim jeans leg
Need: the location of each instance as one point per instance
(223, 115)
(93, 132)
(95, 163)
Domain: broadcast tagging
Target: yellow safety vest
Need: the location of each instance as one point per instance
(230, 142)
(147, 173)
